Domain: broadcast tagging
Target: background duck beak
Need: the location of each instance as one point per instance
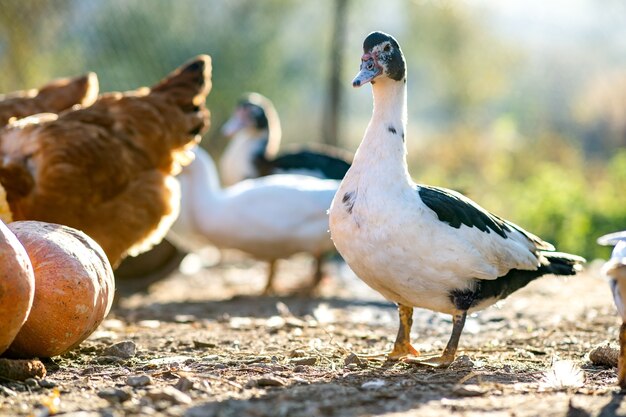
(233, 125)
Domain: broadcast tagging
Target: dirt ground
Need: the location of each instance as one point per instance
(205, 344)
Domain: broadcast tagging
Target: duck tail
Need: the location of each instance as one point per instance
(556, 263)
(559, 263)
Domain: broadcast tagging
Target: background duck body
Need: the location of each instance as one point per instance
(418, 245)
(269, 218)
(252, 152)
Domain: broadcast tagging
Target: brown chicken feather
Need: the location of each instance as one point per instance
(54, 97)
(107, 169)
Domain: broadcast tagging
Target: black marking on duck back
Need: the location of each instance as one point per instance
(456, 209)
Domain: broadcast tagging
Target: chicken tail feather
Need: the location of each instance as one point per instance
(188, 86)
(66, 92)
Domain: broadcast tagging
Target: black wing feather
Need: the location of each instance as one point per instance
(456, 210)
(331, 166)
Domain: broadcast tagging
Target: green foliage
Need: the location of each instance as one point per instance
(546, 185)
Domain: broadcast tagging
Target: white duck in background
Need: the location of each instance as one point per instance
(255, 132)
(423, 246)
(615, 270)
(269, 218)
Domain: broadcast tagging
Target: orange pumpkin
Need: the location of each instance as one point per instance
(74, 288)
(17, 286)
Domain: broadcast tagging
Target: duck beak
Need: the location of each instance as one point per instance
(233, 125)
(369, 71)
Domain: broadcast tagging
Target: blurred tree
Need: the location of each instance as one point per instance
(330, 124)
(601, 110)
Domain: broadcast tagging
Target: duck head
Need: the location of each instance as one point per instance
(249, 114)
(382, 57)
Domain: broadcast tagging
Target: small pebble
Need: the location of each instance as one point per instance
(300, 369)
(147, 411)
(31, 383)
(185, 318)
(21, 369)
(125, 349)
(469, 391)
(184, 384)
(7, 391)
(108, 360)
(267, 381)
(604, 355)
(169, 394)
(46, 383)
(139, 380)
(199, 344)
(114, 395)
(353, 359)
(462, 362)
(373, 384)
(298, 353)
(312, 360)
(300, 380)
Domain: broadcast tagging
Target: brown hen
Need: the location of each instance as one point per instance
(54, 97)
(107, 169)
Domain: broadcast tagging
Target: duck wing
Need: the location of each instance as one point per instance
(321, 161)
(455, 209)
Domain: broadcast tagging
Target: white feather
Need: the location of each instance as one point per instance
(562, 374)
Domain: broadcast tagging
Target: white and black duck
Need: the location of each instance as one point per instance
(615, 270)
(268, 218)
(418, 245)
(255, 133)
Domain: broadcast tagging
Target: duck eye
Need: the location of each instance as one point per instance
(387, 48)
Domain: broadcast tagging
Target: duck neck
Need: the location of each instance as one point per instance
(382, 152)
(200, 183)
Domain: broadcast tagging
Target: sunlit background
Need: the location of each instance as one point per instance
(520, 104)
